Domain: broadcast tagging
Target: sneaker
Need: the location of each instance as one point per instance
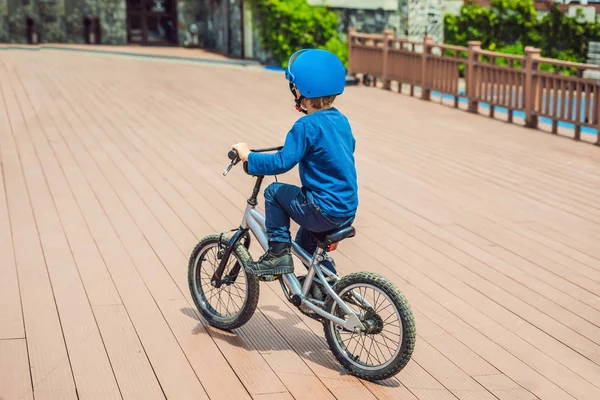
(277, 261)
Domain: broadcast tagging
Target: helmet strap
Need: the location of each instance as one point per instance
(298, 99)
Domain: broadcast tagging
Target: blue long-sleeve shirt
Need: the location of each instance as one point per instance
(323, 144)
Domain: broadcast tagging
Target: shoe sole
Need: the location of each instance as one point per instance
(274, 271)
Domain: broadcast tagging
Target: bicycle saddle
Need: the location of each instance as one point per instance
(335, 236)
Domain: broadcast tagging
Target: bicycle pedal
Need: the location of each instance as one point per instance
(269, 278)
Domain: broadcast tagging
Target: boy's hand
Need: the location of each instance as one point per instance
(243, 151)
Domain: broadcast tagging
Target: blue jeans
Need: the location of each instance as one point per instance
(282, 202)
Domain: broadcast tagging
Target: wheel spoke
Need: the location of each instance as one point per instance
(377, 346)
(223, 300)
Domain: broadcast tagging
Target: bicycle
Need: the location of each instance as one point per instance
(327, 299)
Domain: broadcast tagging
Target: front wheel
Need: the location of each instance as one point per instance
(386, 343)
(233, 304)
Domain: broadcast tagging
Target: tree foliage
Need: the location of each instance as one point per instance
(510, 25)
(286, 26)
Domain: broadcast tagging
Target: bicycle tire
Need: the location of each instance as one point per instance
(208, 312)
(406, 318)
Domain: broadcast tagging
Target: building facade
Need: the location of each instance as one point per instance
(225, 26)
(220, 25)
(412, 19)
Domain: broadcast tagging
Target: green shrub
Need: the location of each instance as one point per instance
(514, 49)
(510, 25)
(286, 26)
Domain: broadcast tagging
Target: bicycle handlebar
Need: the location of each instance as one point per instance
(233, 154)
(235, 157)
(277, 148)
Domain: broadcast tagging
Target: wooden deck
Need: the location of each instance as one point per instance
(112, 170)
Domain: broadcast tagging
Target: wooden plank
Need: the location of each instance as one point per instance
(494, 244)
(136, 371)
(522, 340)
(48, 358)
(273, 396)
(312, 349)
(559, 279)
(461, 329)
(297, 376)
(503, 388)
(448, 374)
(292, 343)
(212, 367)
(453, 349)
(11, 315)
(554, 303)
(91, 368)
(457, 330)
(458, 154)
(127, 355)
(262, 382)
(520, 309)
(294, 380)
(571, 242)
(15, 376)
(174, 372)
(98, 283)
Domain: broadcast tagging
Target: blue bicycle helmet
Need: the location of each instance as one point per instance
(315, 73)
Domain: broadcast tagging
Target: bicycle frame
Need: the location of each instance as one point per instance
(255, 222)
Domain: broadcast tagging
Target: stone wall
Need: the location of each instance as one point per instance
(52, 20)
(4, 21)
(113, 20)
(210, 18)
(75, 10)
(61, 21)
(18, 12)
(235, 19)
(370, 21)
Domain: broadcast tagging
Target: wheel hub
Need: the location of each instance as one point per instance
(373, 323)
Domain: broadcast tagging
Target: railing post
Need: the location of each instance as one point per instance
(388, 34)
(351, 34)
(471, 83)
(597, 107)
(530, 87)
(425, 85)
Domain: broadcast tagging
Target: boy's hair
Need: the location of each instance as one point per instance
(321, 102)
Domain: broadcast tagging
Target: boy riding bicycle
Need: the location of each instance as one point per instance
(321, 142)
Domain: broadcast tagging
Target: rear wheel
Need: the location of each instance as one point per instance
(233, 304)
(387, 341)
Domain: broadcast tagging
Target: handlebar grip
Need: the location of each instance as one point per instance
(233, 154)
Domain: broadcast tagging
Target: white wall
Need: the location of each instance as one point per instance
(388, 5)
(452, 6)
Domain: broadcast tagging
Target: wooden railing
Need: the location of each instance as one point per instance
(518, 84)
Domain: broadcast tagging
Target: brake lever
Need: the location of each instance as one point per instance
(228, 169)
(233, 163)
